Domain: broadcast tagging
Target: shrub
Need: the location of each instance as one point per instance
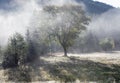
(66, 76)
(18, 74)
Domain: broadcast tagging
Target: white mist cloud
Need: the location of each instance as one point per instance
(107, 24)
(16, 21)
(19, 19)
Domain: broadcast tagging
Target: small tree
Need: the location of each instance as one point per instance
(107, 44)
(15, 52)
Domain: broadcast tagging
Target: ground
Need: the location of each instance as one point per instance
(95, 67)
(102, 57)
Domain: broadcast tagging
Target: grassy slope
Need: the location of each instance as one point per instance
(100, 67)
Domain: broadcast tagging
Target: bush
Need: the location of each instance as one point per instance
(107, 44)
(66, 76)
(18, 74)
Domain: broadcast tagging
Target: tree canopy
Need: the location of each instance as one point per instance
(66, 23)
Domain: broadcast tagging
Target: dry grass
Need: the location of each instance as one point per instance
(102, 67)
(102, 57)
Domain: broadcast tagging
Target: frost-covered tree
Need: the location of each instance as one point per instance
(66, 23)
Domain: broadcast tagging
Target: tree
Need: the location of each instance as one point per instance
(15, 52)
(91, 41)
(31, 55)
(107, 44)
(66, 23)
(1, 53)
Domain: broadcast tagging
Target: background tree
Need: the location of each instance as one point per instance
(67, 22)
(31, 55)
(40, 42)
(1, 53)
(91, 41)
(107, 44)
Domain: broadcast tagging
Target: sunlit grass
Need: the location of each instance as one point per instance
(67, 69)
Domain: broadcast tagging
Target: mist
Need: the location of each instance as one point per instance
(16, 16)
(106, 25)
(22, 14)
(17, 20)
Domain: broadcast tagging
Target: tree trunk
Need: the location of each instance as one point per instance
(65, 51)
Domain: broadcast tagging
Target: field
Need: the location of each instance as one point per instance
(92, 67)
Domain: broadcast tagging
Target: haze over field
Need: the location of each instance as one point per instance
(59, 40)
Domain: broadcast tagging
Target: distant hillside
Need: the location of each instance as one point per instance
(94, 7)
(4, 4)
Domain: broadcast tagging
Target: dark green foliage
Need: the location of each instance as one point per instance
(1, 53)
(15, 52)
(31, 54)
(39, 43)
(107, 44)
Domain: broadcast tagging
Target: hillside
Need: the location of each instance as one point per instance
(94, 7)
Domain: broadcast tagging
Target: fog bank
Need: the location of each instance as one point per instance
(106, 25)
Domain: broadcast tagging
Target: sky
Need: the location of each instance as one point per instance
(115, 3)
